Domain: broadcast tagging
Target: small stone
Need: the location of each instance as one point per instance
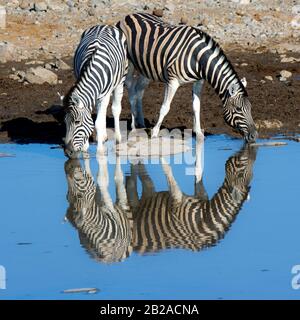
(262, 81)
(40, 6)
(70, 3)
(2, 17)
(296, 9)
(244, 64)
(13, 77)
(60, 64)
(12, 4)
(8, 51)
(285, 74)
(21, 74)
(91, 12)
(158, 12)
(59, 7)
(295, 23)
(183, 20)
(81, 290)
(26, 4)
(270, 78)
(245, 1)
(48, 66)
(289, 60)
(40, 75)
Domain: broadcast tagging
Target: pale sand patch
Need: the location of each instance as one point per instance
(144, 147)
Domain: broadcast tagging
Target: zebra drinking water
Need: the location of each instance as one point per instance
(181, 54)
(100, 64)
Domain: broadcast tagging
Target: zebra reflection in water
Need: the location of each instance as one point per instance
(156, 220)
(171, 219)
(104, 227)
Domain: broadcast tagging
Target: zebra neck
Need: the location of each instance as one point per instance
(87, 88)
(226, 203)
(217, 70)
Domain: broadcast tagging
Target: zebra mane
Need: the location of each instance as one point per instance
(157, 21)
(208, 38)
(69, 99)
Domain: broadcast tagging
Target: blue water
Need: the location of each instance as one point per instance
(42, 256)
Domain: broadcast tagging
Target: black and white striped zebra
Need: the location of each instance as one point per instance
(181, 54)
(109, 230)
(100, 64)
(104, 227)
(171, 219)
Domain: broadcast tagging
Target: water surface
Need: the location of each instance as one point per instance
(46, 247)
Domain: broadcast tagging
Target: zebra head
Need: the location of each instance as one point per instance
(239, 172)
(79, 126)
(237, 111)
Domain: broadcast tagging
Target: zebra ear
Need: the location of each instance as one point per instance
(244, 82)
(233, 89)
(76, 101)
(61, 97)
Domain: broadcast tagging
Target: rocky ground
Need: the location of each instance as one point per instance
(261, 39)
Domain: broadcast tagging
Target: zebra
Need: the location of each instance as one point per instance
(100, 65)
(110, 232)
(104, 228)
(181, 54)
(171, 219)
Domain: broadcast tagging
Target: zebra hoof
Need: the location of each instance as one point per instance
(85, 155)
(154, 133)
(118, 138)
(101, 150)
(200, 136)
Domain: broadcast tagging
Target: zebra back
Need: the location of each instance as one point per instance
(100, 63)
(161, 51)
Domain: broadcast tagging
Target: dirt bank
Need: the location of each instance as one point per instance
(28, 112)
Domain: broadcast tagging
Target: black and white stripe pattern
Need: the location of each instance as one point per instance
(100, 64)
(171, 219)
(110, 231)
(181, 54)
(104, 227)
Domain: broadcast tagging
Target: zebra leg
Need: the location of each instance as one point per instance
(101, 121)
(199, 164)
(130, 83)
(175, 191)
(103, 181)
(148, 188)
(199, 190)
(170, 91)
(121, 197)
(197, 88)
(131, 189)
(87, 166)
(141, 84)
(116, 109)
